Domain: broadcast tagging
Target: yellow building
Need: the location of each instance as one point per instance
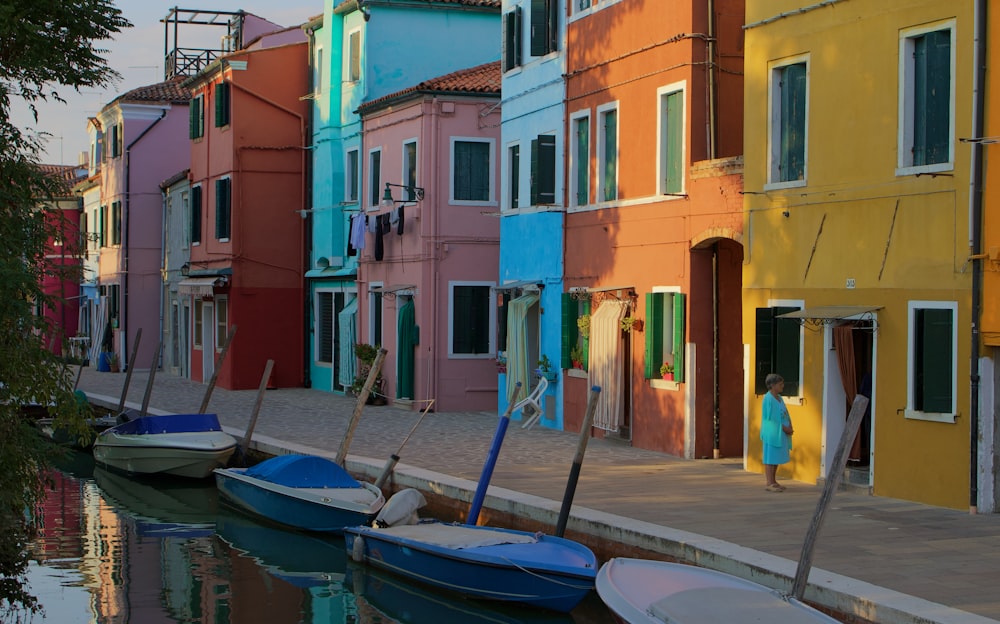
(857, 237)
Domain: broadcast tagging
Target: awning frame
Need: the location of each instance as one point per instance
(832, 314)
(201, 286)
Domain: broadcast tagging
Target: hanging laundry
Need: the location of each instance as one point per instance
(358, 223)
(399, 226)
(381, 229)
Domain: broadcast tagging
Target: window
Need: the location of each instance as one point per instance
(410, 170)
(933, 361)
(324, 327)
(117, 140)
(472, 174)
(223, 208)
(789, 106)
(221, 322)
(351, 176)
(926, 100)
(471, 319)
(103, 227)
(779, 349)
(375, 177)
(671, 152)
(116, 223)
(195, 215)
(198, 305)
(575, 334)
(354, 56)
(514, 175)
(543, 170)
(512, 39)
(318, 72)
(185, 219)
(607, 150)
(221, 104)
(544, 26)
(196, 117)
(580, 159)
(375, 316)
(664, 333)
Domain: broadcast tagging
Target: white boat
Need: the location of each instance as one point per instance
(183, 445)
(643, 591)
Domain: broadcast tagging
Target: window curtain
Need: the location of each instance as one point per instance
(347, 327)
(406, 337)
(518, 367)
(843, 342)
(607, 363)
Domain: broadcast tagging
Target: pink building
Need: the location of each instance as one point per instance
(143, 143)
(247, 130)
(428, 239)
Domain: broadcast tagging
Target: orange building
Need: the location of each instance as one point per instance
(653, 223)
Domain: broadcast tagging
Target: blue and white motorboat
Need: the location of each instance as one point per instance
(183, 445)
(477, 561)
(302, 491)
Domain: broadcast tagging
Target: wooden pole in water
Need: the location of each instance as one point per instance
(149, 381)
(574, 471)
(833, 476)
(390, 463)
(128, 371)
(215, 373)
(360, 405)
(245, 445)
(491, 459)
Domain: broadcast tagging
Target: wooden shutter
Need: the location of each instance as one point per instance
(515, 176)
(934, 355)
(223, 203)
(539, 27)
(931, 97)
(654, 334)
(679, 337)
(103, 226)
(221, 104)
(570, 333)
(610, 173)
(502, 301)
(512, 39)
(325, 327)
(793, 125)
(195, 214)
(787, 333)
(543, 170)
(673, 143)
(193, 118)
(582, 161)
(355, 57)
(764, 351)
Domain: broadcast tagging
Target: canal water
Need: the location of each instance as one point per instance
(116, 549)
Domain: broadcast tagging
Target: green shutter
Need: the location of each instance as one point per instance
(193, 119)
(931, 97)
(654, 334)
(793, 125)
(570, 334)
(787, 333)
(104, 226)
(512, 39)
(196, 214)
(610, 155)
(764, 352)
(539, 27)
(673, 143)
(585, 340)
(221, 104)
(502, 320)
(223, 203)
(582, 161)
(934, 355)
(679, 336)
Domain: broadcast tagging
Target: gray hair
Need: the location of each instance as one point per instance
(772, 379)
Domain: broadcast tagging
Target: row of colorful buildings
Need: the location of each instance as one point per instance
(666, 202)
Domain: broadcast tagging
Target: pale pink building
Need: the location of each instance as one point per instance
(429, 253)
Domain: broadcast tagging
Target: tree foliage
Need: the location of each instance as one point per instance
(44, 45)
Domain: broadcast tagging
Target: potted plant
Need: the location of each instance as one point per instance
(667, 371)
(583, 325)
(545, 368)
(630, 323)
(113, 364)
(576, 355)
(366, 355)
(501, 362)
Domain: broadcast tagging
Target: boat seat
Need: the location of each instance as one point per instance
(535, 401)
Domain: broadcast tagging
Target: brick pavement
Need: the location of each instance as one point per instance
(883, 559)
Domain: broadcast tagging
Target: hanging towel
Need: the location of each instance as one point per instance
(399, 227)
(394, 216)
(381, 229)
(358, 222)
(373, 225)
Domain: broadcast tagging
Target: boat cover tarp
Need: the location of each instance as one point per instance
(457, 536)
(303, 471)
(171, 423)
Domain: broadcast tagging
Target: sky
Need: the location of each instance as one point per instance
(137, 54)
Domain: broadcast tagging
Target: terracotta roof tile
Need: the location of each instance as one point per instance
(169, 91)
(491, 4)
(483, 79)
(66, 175)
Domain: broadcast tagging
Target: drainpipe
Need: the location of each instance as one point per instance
(433, 235)
(975, 226)
(710, 75)
(307, 176)
(126, 225)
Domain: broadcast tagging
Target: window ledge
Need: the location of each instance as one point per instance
(941, 417)
(777, 186)
(663, 384)
(576, 372)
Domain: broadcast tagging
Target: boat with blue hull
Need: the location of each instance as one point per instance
(301, 491)
(182, 445)
(481, 562)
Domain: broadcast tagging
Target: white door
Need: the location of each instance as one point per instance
(207, 340)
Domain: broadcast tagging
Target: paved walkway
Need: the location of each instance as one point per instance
(884, 560)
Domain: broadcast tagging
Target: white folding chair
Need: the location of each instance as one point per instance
(535, 401)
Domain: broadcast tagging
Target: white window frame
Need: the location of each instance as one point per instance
(774, 123)
(490, 354)
(491, 195)
(510, 188)
(573, 150)
(601, 111)
(186, 219)
(373, 185)
(348, 58)
(405, 161)
(221, 331)
(904, 149)
(318, 72)
(911, 369)
(661, 132)
(578, 11)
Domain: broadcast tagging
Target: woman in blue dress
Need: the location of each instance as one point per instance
(775, 431)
